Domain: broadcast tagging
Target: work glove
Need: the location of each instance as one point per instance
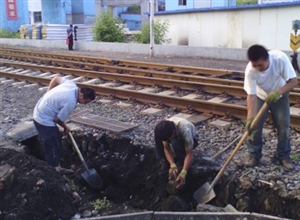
(273, 97)
(248, 124)
(173, 171)
(181, 179)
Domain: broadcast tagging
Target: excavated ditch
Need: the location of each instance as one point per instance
(133, 177)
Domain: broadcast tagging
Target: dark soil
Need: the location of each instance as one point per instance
(133, 181)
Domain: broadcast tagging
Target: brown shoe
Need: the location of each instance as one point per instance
(252, 162)
(287, 164)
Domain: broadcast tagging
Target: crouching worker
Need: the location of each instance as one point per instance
(54, 108)
(175, 139)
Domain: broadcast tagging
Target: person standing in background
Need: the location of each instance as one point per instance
(70, 37)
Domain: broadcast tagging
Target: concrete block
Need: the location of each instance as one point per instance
(104, 101)
(7, 69)
(124, 105)
(32, 85)
(68, 77)
(7, 81)
(34, 73)
(53, 75)
(126, 87)
(167, 92)
(183, 115)
(220, 124)
(191, 96)
(197, 119)
(18, 84)
(16, 71)
(217, 100)
(153, 111)
(26, 72)
(22, 131)
(43, 89)
(92, 81)
(148, 90)
(78, 79)
(45, 74)
(295, 110)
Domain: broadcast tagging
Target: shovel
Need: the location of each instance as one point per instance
(206, 193)
(90, 175)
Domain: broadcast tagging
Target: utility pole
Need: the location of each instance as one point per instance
(151, 28)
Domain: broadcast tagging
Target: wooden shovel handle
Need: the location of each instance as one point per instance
(78, 151)
(257, 117)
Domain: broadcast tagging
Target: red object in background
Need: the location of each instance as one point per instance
(67, 41)
(11, 9)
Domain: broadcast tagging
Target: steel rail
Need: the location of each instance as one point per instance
(97, 66)
(125, 63)
(221, 109)
(156, 74)
(236, 91)
(133, 69)
(149, 81)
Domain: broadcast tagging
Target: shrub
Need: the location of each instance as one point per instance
(108, 29)
(160, 31)
(9, 34)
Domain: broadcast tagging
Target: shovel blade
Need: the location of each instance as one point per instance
(204, 194)
(92, 178)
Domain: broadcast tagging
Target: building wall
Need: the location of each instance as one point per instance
(132, 21)
(21, 18)
(55, 11)
(34, 6)
(234, 27)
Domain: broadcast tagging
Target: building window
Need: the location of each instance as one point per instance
(181, 2)
(37, 17)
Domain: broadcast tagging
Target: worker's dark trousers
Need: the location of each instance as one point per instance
(51, 142)
(280, 112)
(177, 146)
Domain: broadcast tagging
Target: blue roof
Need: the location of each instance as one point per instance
(250, 6)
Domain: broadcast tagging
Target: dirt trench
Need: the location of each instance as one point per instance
(133, 181)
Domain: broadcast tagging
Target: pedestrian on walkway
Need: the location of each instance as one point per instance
(69, 39)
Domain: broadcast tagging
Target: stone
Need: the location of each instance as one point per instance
(22, 131)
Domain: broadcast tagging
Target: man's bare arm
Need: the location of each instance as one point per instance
(251, 106)
(54, 82)
(290, 84)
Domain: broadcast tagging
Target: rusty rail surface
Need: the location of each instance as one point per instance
(167, 80)
(17, 53)
(221, 109)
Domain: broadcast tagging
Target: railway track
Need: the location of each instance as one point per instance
(187, 91)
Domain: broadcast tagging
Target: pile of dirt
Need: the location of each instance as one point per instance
(31, 189)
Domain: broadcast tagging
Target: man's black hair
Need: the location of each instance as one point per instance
(257, 52)
(164, 130)
(88, 93)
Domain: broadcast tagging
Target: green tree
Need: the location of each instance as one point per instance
(108, 29)
(246, 2)
(160, 31)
